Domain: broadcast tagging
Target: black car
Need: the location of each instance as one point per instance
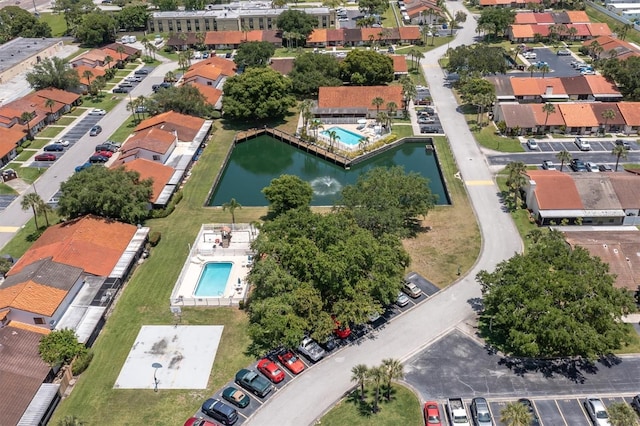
(142, 71)
(635, 403)
(220, 411)
(95, 130)
(330, 344)
(428, 129)
(622, 142)
(535, 420)
(120, 90)
(605, 168)
(54, 147)
(578, 165)
(106, 147)
(98, 159)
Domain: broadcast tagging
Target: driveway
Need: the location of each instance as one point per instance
(326, 382)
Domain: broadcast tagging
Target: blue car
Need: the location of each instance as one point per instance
(83, 166)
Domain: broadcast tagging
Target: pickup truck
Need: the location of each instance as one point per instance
(309, 348)
(458, 415)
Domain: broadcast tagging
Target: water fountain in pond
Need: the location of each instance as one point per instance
(325, 185)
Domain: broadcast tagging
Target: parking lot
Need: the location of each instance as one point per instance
(560, 66)
(434, 125)
(357, 333)
(597, 145)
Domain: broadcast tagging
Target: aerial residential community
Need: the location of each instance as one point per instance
(420, 212)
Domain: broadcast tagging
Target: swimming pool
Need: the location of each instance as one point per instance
(213, 279)
(346, 137)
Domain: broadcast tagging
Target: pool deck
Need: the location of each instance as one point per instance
(208, 248)
(367, 131)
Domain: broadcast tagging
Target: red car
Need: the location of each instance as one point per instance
(341, 331)
(107, 154)
(291, 361)
(271, 370)
(46, 157)
(194, 421)
(432, 414)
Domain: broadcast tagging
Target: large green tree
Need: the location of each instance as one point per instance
(257, 94)
(479, 58)
(497, 19)
(626, 74)
(185, 99)
(254, 54)
(59, 347)
(311, 266)
(297, 22)
(53, 72)
(133, 18)
(313, 70)
(554, 301)
(15, 21)
(373, 6)
(288, 192)
(367, 68)
(96, 28)
(388, 201)
(73, 11)
(111, 193)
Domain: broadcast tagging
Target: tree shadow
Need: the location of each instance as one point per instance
(476, 304)
(574, 369)
(365, 409)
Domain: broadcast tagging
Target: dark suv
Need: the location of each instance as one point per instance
(106, 147)
(578, 165)
(54, 147)
(622, 142)
(220, 411)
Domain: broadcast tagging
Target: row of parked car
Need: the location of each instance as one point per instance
(103, 152)
(269, 372)
(127, 84)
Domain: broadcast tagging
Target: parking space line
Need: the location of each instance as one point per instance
(555, 401)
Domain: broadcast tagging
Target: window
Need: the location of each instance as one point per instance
(179, 25)
(170, 26)
(188, 24)
(159, 27)
(156, 158)
(209, 83)
(269, 24)
(38, 320)
(215, 25)
(207, 27)
(152, 27)
(197, 25)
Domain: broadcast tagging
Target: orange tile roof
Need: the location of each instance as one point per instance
(61, 96)
(224, 37)
(187, 126)
(601, 86)
(9, 138)
(631, 112)
(488, 2)
(92, 55)
(208, 72)
(578, 115)
(555, 190)
(582, 29)
(29, 327)
(578, 16)
(600, 107)
(114, 55)
(79, 243)
(4, 314)
(152, 139)
(399, 64)
(226, 66)
(557, 88)
(80, 69)
(555, 119)
(410, 33)
(159, 173)
(525, 86)
(317, 36)
(599, 29)
(544, 18)
(32, 297)
(254, 35)
(211, 94)
(525, 18)
(358, 96)
(522, 31)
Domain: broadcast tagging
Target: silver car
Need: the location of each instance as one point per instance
(480, 412)
(597, 411)
(402, 300)
(309, 348)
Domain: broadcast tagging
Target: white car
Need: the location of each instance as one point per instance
(529, 55)
(582, 144)
(532, 144)
(97, 112)
(593, 167)
(59, 142)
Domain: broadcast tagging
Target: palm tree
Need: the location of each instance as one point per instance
(394, 370)
(360, 375)
(333, 137)
(376, 376)
(31, 201)
(377, 102)
(516, 179)
(532, 68)
(515, 414)
(87, 74)
(408, 90)
(620, 152)
(107, 61)
(232, 205)
(544, 69)
(392, 107)
(44, 208)
(315, 126)
(120, 50)
(563, 156)
(607, 114)
(305, 111)
(50, 103)
(572, 31)
(549, 109)
(26, 117)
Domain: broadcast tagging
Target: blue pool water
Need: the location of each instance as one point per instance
(213, 279)
(346, 137)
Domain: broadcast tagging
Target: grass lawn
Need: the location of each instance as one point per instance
(403, 409)
(106, 101)
(597, 16)
(65, 121)
(25, 155)
(76, 112)
(27, 235)
(415, 72)
(123, 132)
(489, 138)
(39, 143)
(389, 18)
(56, 22)
(403, 131)
(27, 174)
(7, 190)
(50, 132)
(634, 346)
(433, 42)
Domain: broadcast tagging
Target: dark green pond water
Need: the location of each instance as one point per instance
(253, 164)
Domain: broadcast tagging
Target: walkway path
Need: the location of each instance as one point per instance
(306, 398)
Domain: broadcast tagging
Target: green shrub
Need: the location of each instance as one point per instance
(154, 238)
(81, 362)
(176, 198)
(19, 150)
(216, 114)
(27, 144)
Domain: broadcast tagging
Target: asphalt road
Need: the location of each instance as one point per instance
(13, 217)
(305, 399)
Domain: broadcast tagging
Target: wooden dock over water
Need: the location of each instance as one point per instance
(294, 141)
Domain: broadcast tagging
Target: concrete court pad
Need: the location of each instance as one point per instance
(183, 356)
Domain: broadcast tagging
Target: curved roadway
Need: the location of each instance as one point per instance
(305, 399)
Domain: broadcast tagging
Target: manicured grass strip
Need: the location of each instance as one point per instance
(65, 121)
(106, 101)
(50, 132)
(123, 132)
(25, 155)
(7, 190)
(77, 112)
(403, 409)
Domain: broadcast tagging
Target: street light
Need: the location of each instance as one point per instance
(155, 365)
